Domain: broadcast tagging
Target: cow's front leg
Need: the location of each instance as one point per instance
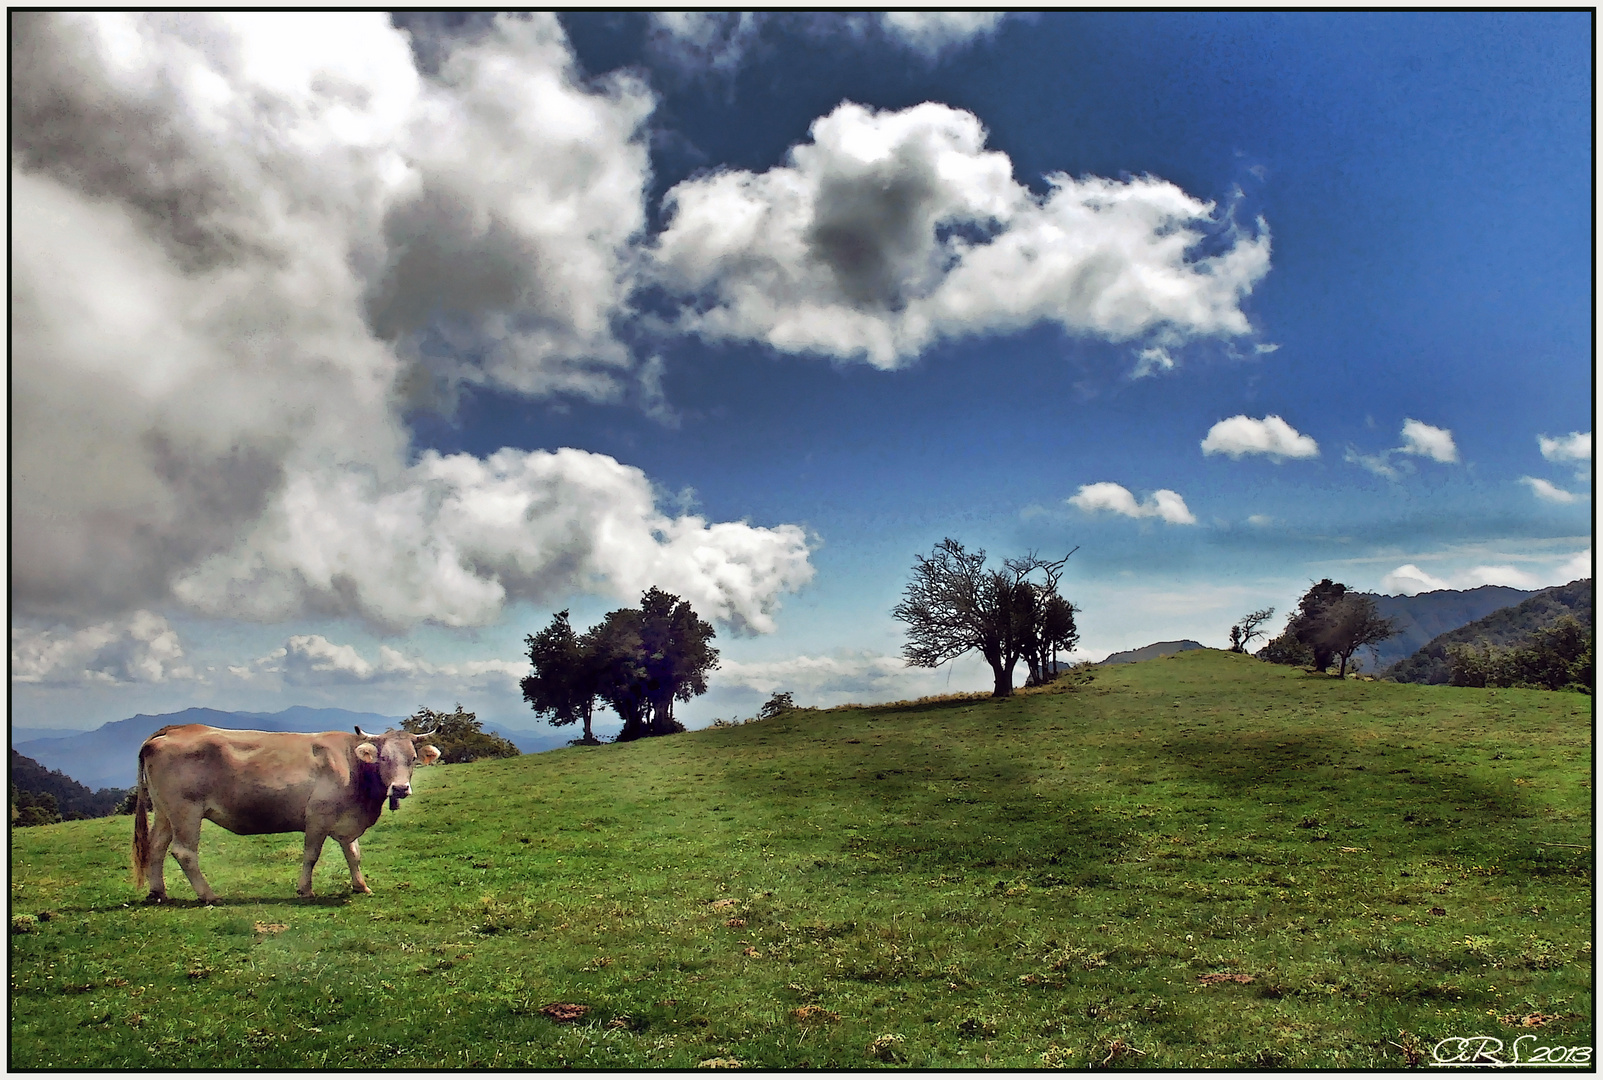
(314, 848)
(353, 859)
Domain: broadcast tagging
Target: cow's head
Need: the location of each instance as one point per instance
(395, 754)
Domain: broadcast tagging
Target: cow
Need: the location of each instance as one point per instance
(253, 782)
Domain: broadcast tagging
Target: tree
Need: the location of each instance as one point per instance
(639, 661)
(72, 800)
(1346, 625)
(35, 808)
(1246, 629)
(954, 605)
(617, 650)
(458, 736)
(781, 701)
(677, 654)
(1556, 657)
(566, 676)
(1047, 618)
(1330, 624)
(1299, 643)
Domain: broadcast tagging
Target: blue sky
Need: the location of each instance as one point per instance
(346, 351)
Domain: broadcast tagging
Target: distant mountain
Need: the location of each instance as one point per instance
(535, 742)
(107, 756)
(28, 734)
(1503, 627)
(1149, 652)
(1426, 615)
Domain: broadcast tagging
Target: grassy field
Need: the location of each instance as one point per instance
(1199, 861)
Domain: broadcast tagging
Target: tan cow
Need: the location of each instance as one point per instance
(252, 782)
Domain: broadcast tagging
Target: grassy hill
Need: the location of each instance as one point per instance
(1196, 861)
(1504, 627)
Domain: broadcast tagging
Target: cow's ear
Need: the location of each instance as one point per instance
(429, 755)
(367, 752)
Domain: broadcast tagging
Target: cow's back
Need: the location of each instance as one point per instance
(248, 782)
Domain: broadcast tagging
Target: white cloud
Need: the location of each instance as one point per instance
(1576, 446)
(1577, 566)
(721, 42)
(695, 41)
(1409, 579)
(141, 649)
(244, 244)
(1547, 491)
(1152, 360)
(1260, 520)
(934, 32)
(1272, 436)
(454, 538)
(313, 660)
(1419, 439)
(889, 231)
(861, 675)
(1426, 441)
(1163, 503)
(1379, 464)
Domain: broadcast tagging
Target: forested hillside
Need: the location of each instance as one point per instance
(1504, 627)
(66, 797)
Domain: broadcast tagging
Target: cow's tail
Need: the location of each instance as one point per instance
(141, 823)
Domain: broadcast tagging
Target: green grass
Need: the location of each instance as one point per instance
(1037, 881)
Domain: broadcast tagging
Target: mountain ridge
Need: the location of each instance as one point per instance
(1424, 616)
(1502, 627)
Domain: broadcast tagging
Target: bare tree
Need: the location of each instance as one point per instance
(1242, 634)
(954, 605)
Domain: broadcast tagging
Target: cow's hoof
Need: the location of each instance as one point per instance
(156, 898)
(364, 890)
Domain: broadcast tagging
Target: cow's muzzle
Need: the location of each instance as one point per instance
(397, 793)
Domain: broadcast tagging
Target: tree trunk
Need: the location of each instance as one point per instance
(1004, 679)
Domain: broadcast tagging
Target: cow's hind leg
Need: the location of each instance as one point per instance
(353, 859)
(314, 848)
(186, 849)
(161, 837)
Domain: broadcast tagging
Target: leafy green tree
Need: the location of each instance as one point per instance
(779, 702)
(458, 735)
(35, 808)
(677, 654)
(1346, 625)
(639, 661)
(566, 676)
(1557, 657)
(1317, 633)
(617, 650)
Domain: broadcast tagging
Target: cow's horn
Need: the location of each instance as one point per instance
(364, 734)
(426, 734)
